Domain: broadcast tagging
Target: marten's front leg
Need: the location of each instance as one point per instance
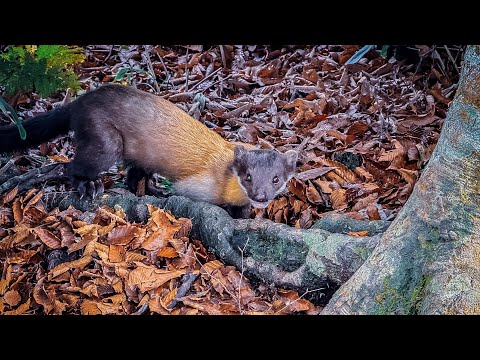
(239, 212)
(97, 151)
(135, 174)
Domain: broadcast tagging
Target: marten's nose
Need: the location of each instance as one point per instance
(260, 197)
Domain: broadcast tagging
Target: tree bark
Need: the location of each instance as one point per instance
(427, 262)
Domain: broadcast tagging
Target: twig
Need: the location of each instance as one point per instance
(452, 59)
(206, 77)
(222, 52)
(34, 177)
(218, 81)
(142, 309)
(300, 297)
(167, 73)
(440, 60)
(93, 68)
(110, 53)
(186, 71)
(241, 277)
(187, 282)
(7, 166)
(209, 274)
(146, 56)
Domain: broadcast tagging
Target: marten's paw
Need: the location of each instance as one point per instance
(239, 212)
(90, 188)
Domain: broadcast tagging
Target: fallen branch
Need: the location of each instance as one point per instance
(187, 282)
(34, 177)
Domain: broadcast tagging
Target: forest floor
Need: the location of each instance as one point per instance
(363, 132)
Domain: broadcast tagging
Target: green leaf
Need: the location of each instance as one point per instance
(120, 74)
(359, 54)
(384, 51)
(45, 69)
(6, 108)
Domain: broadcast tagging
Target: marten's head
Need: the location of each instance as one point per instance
(263, 174)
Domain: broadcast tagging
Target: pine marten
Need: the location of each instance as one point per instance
(116, 122)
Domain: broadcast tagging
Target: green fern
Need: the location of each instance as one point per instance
(45, 69)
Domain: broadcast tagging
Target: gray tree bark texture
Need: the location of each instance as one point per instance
(428, 260)
(275, 254)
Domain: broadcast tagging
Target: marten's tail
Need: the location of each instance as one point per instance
(39, 129)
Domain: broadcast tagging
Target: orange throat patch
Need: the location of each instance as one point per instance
(233, 193)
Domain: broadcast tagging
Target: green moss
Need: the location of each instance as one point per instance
(394, 301)
(362, 252)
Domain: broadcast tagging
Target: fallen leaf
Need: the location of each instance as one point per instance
(122, 235)
(313, 173)
(167, 252)
(313, 195)
(147, 277)
(116, 253)
(9, 196)
(12, 297)
(339, 199)
(358, 233)
(48, 238)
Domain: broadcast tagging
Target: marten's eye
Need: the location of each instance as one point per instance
(248, 177)
(275, 180)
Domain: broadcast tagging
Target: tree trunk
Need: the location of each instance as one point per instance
(427, 262)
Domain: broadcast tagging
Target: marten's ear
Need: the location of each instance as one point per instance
(239, 164)
(290, 160)
(239, 151)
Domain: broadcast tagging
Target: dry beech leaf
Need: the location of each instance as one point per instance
(132, 256)
(364, 202)
(9, 196)
(67, 235)
(167, 299)
(372, 212)
(324, 186)
(206, 308)
(358, 233)
(33, 200)
(313, 195)
(116, 253)
(340, 169)
(298, 188)
(122, 235)
(336, 134)
(21, 309)
(210, 266)
(17, 211)
(12, 297)
(147, 277)
(410, 176)
(48, 238)
(167, 252)
(392, 155)
(357, 128)
(44, 297)
(339, 199)
(22, 257)
(313, 173)
(89, 307)
(76, 264)
(363, 173)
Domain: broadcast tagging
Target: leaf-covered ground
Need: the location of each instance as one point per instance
(364, 132)
(117, 267)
